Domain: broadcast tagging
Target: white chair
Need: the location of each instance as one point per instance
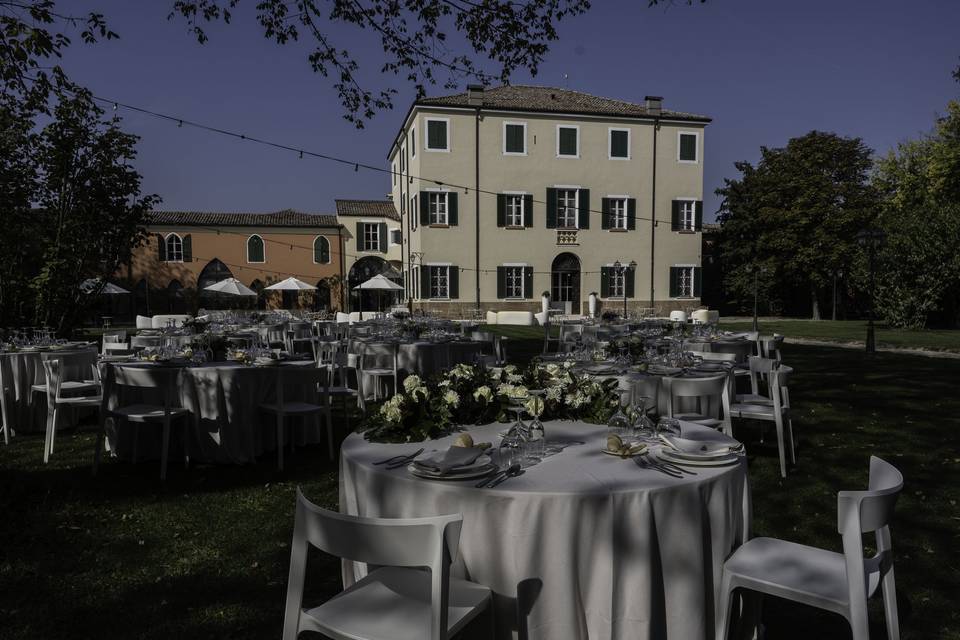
(396, 601)
(164, 381)
(315, 381)
(51, 371)
(114, 341)
(770, 347)
(711, 396)
(144, 322)
(701, 316)
(754, 406)
(678, 316)
(378, 373)
(838, 582)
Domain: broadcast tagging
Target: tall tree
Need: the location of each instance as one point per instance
(89, 207)
(797, 213)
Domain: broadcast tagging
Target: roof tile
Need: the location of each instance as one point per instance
(284, 218)
(367, 209)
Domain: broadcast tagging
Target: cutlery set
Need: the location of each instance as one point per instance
(399, 461)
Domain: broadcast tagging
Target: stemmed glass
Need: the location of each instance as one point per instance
(643, 425)
(536, 435)
(619, 424)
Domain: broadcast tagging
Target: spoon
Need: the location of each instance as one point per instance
(514, 470)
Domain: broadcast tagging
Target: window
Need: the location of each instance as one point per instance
(174, 248)
(683, 281)
(394, 173)
(618, 213)
(688, 214)
(371, 237)
(514, 210)
(568, 141)
(687, 147)
(413, 142)
(437, 134)
(617, 282)
(321, 250)
(414, 213)
(567, 208)
(514, 282)
(439, 282)
(515, 138)
(396, 236)
(255, 249)
(438, 207)
(403, 164)
(619, 144)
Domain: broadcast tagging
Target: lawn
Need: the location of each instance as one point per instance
(205, 555)
(855, 331)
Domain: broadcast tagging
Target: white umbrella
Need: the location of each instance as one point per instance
(378, 283)
(109, 289)
(231, 286)
(291, 284)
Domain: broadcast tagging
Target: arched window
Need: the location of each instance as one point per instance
(255, 249)
(321, 250)
(174, 248)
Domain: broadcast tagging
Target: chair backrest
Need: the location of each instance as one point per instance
(678, 316)
(717, 357)
(709, 391)
(410, 542)
(149, 377)
(742, 349)
(771, 346)
(144, 322)
(51, 371)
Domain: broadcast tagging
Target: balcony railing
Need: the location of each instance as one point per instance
(567, 237)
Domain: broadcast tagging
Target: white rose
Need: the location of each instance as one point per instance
(411, 383)
(451, 398)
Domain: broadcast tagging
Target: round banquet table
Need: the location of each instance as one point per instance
(582, 545)
(421, 357)
(20, 370)
(225, 423)
(153, 341)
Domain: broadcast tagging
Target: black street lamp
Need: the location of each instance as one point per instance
(871, 239)
(621, 271)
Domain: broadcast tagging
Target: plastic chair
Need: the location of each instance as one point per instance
(379, 373)
(114, 341)
(838, 582)
(711, 394)
(163, 379)
(316, 380)
(678, 316)
(777, 411)
(770, 347)
(51, 370)
(398, 600)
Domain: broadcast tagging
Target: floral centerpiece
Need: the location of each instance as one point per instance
(466, 394)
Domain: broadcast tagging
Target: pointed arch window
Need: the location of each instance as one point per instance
(255, 249)
(321, 250)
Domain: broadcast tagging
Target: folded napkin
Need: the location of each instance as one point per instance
(716, 443)
(452, 458)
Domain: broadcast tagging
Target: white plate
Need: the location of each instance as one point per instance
(728, 459)
(474, 472)
(481, 461)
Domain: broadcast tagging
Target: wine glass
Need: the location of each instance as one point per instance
(643, 426)
(619, 424)
(536, 434)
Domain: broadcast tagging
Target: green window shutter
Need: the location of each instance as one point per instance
(675, 215)
(630, 280)
(698, 216)
(501, 282)
(605, 213)
(424, 208)
(501, 210)
(528, 210)
(632, 214)
(528, 282)
(688, 147)
(604, 282)
(551, 208)
(436, 134)
(454, 284)
(187, 248)
(359, 236)
(618, 144)
(674, 282)
(583, 211)
(382, 236)
(161, 248)
(254, 249)
(424, 283)
(568, 141)
(697, 277)
(514, 141)
(453, 218)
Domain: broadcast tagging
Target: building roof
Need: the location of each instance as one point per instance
(553, 100)
(367, 209)
(284, 218)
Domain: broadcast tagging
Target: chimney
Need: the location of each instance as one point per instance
(654, 105)
(475, 95)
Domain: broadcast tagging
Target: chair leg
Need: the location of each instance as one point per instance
(890, 606)
(780, 447)
(53, 427)
(165, 449)
(789, 429)
(724, 607)
(46, 439)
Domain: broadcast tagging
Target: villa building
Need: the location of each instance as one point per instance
(509, 192)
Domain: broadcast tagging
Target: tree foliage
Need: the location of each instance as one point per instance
(794, 217)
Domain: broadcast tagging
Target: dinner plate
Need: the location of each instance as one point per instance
(482, 466)
(710, 461)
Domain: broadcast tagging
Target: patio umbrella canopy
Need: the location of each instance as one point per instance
(231, 286)
(109, 289)
(378, 283)
(291, 284)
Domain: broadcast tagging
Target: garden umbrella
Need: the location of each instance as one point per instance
(231, 286)
(378, 283)
(109, 289)
(291, 284)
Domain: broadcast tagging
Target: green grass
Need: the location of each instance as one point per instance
(856, 331)
(205, 555)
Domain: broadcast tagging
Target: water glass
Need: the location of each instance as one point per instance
(643, 426)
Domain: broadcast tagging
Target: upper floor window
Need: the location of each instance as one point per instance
(438, 207)
(687, 146)
(255, 249)
(174, 248)
(514, 204)
(413, 213)
(403, 164)
(567, 208)
(618, 213)
(619, 144)
(568, 141)
(371, 237)
(413, 142)
(438, 138)
(321, 250)
(394, 173)
(396, 236)
(515, 138)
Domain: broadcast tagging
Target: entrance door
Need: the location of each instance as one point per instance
(565, 282)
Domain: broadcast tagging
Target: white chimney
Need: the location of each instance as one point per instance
(654, 105)
(475, 95)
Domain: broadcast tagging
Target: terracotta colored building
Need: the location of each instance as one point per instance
(187, 251)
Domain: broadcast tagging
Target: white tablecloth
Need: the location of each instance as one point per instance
(422, 358)
(583, 545)
(20, 370)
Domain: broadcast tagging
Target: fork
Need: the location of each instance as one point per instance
(403, 457)
(644, 463)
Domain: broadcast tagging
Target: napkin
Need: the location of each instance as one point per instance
(716, 443)
(452, 458)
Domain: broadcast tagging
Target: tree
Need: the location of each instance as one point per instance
(796, 214)
(90, 211)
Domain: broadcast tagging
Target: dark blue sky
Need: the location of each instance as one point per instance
(765, 70)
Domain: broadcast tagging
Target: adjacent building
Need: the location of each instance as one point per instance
(510, 192)
(373, 245)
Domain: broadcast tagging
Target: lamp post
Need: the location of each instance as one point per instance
(871, 239)
(756, 292)
(621, 271)
(416, 259)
